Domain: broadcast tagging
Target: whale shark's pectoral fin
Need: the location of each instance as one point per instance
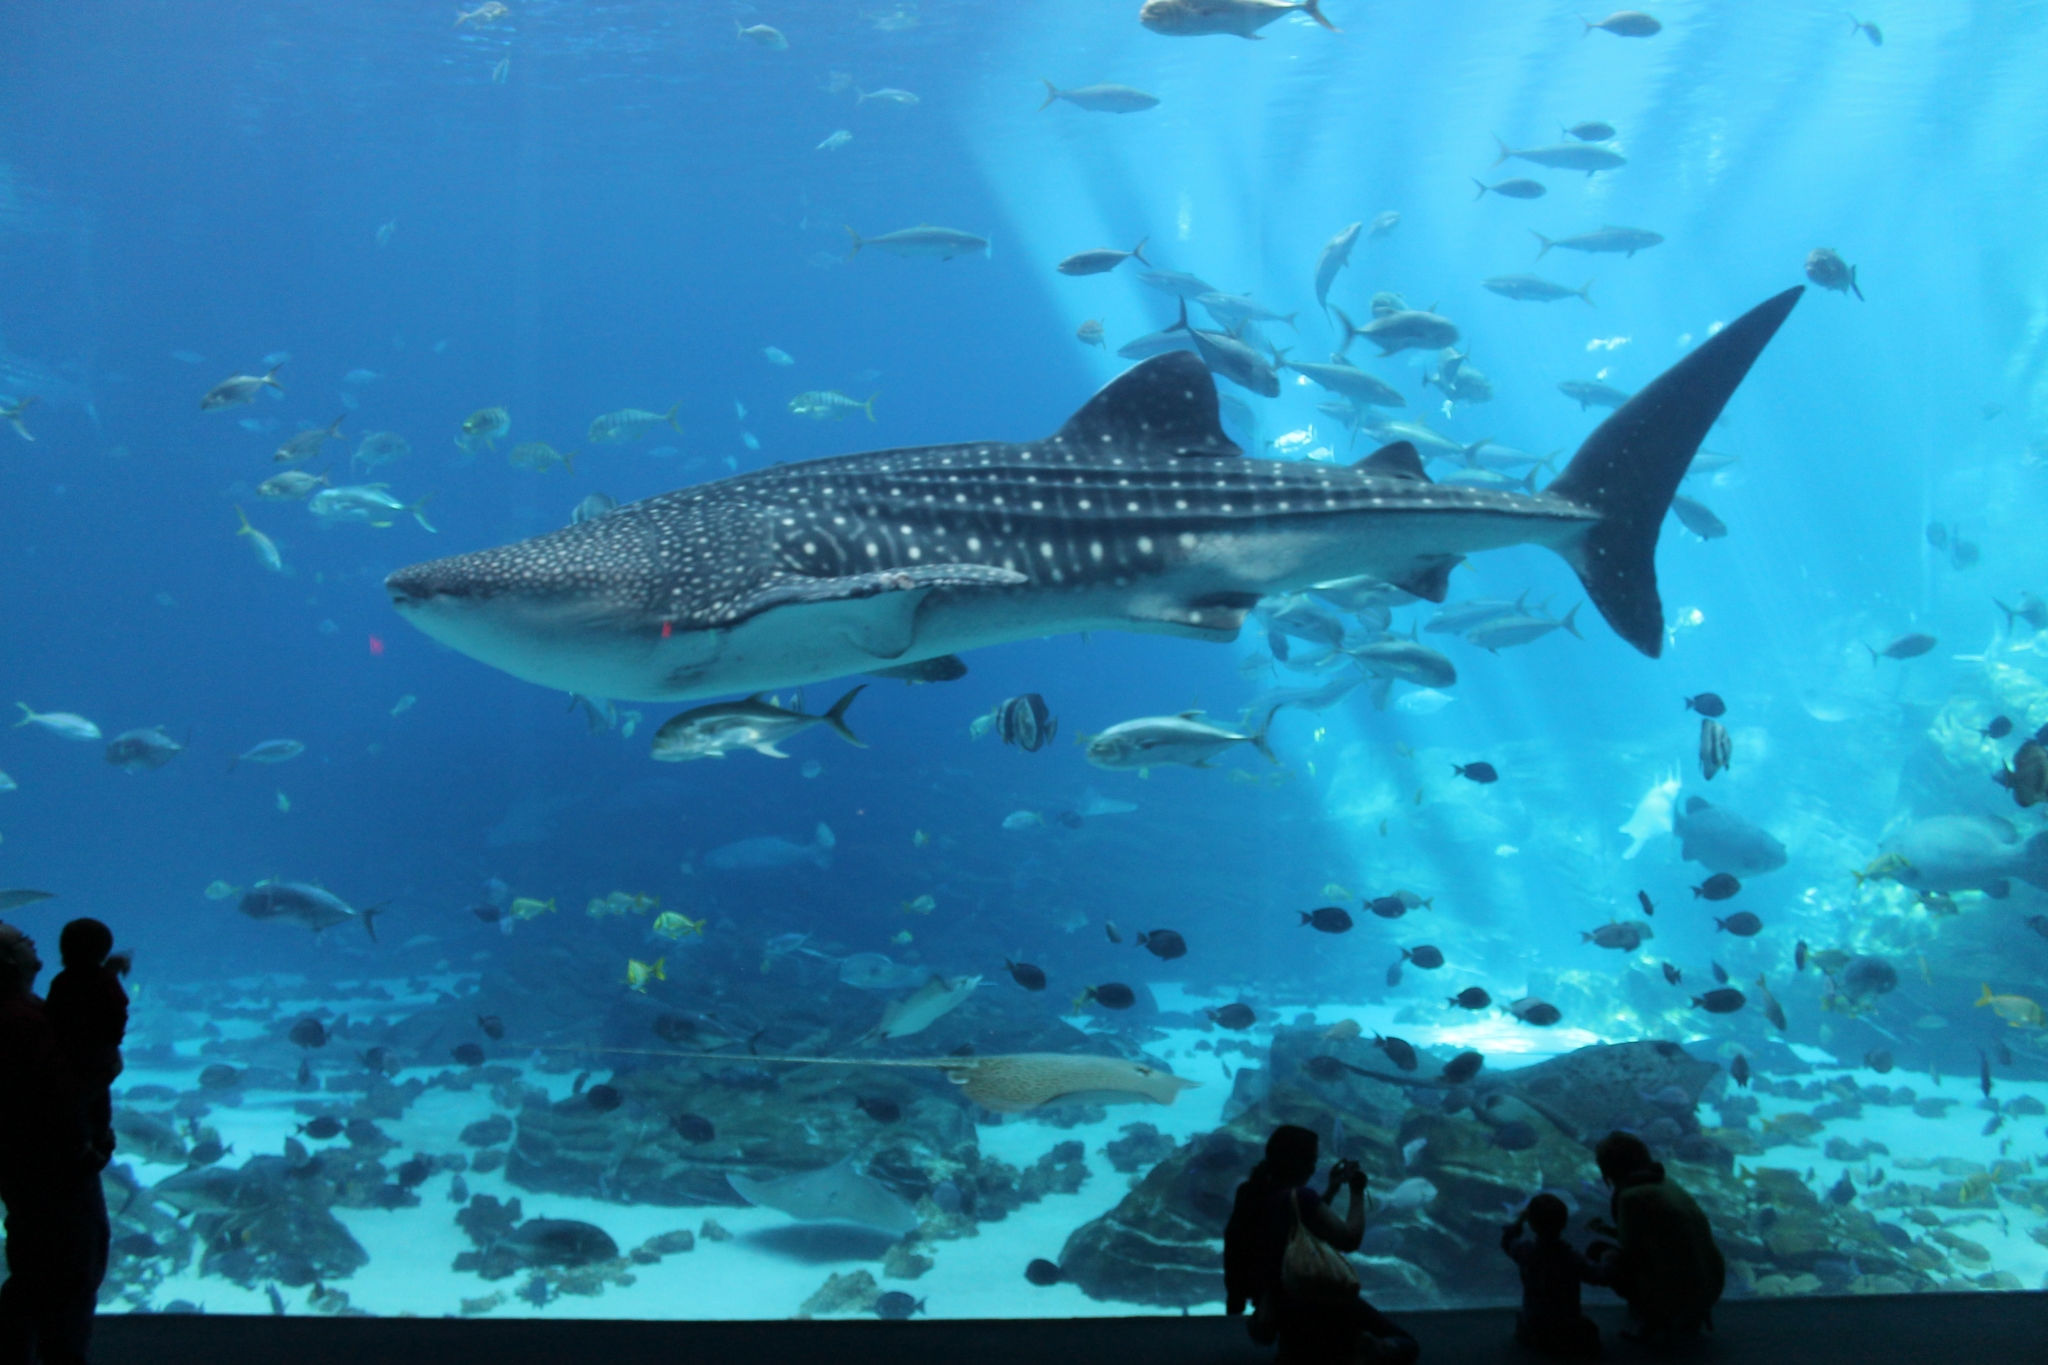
(794, 590)
(1431, 579)
(1217, 617)
(874, 612)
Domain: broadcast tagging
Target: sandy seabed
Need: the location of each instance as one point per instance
(412, 1250)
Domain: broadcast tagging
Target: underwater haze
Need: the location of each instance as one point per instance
(495, 953)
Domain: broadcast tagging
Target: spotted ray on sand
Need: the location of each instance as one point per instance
(1007, 1083)
(836, 1194)
(1139, 513)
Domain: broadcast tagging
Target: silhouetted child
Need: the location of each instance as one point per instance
(1552, 1271)
(88, 1011)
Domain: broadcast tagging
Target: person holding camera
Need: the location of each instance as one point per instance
(1283, 1257)
(1663, 1260)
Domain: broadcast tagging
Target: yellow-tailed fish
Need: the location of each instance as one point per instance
(2017, 1010)
(266, 548)
(669, 924)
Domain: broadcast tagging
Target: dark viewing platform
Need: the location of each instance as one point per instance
(1919, 1329)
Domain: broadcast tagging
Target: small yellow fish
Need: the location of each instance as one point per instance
(484, 420)
(823, 404)
(922, 905)
(2017, 1010)
(220, 891)
(1320, 733)
(540, 457)
(526, 907)
(1337, 891)
(919, 839)
(639, 973)
(1829, 960)
(403, 704)
(1887, 865)
(671, 925)
(284, 803)
(900, 937)
(266, 548)
(629, 424)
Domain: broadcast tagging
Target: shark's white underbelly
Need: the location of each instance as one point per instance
(1203, 591)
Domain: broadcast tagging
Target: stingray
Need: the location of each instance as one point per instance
(1008, 1083)
(875, 972)
(836, 1194)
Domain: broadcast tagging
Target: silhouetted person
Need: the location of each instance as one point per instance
(89, 1011)
(49, 1179)
(1552, 1269)
(1663, 1260)
(1262, 1219)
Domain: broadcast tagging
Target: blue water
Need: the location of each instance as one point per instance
(638, 209)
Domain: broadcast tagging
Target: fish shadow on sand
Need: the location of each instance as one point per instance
(821, 1243)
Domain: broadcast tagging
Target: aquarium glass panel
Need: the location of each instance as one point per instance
(744, 660)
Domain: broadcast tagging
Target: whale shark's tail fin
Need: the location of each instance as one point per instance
(1630, 466)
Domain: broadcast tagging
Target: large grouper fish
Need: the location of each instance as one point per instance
(1139, 514)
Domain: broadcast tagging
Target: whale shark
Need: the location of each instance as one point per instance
(1139, 514)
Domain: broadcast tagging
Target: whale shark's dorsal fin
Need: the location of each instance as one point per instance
(1165, 406)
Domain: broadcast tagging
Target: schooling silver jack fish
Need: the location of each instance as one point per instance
(1139, 514)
